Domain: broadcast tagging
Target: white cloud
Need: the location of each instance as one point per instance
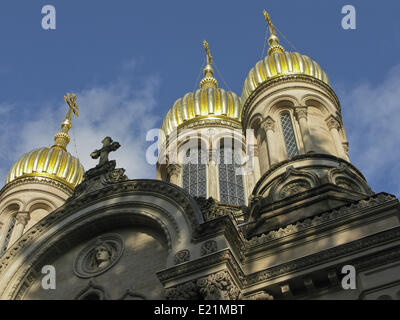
(372, 120)
(120, 110)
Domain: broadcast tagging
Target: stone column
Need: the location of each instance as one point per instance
(22, 219)
(174, 173)
(301, 116)
(334, 127)
(213, 174)
(269, 127)
(253, 169)
(263, 151)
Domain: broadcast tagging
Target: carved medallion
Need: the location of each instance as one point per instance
(99, 255)
(209, 247)
(182, 256)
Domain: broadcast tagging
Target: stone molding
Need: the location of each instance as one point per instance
(36, 180)
(285, 79)
(324, 218)
(268, 124)
(211, 208)
(216, 286)
(305, 157)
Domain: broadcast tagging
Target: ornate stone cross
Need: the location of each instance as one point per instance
(108, 146)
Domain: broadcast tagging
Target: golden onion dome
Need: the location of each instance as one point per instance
(207, 103)
(210, 103)
(55, 162)
(279, 63)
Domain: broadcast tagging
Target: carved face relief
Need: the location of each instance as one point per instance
(99, 256)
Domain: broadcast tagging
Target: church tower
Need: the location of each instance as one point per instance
(203, 144)
(296, 117)
(38, 183)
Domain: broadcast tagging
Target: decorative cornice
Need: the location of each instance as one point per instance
(199, 123)
(322, 219)
(284, 79)
(216, 286)
(212, 209)
(302, 157)
(205, 261)
(326, 256)
(40, 180)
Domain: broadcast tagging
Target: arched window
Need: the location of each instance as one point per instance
(288, 135)
(8, 235)
(194, 174)
(231, 188)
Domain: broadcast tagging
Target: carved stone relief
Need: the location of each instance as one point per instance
(208, 247)
(216, 286)
(99, 256)
(182, 256)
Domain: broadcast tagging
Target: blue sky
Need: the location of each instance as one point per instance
(128, 61)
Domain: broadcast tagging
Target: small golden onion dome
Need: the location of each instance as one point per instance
(55, 162)
(210, 103)
(279, 63)
(207, 103)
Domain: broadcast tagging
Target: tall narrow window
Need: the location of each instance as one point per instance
(194, 174)
(230, 179)
(8, 235)
(288, 135)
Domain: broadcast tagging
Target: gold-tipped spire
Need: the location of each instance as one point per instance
(61, 139)
(208, 81)
(273, 41)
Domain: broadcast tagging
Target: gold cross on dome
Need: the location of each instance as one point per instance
(207, 48)
(70, 99)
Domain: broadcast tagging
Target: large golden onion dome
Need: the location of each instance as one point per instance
(209, 103)
(279, 63)
(51, 163)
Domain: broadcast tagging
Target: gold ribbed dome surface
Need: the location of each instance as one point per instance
(281, 64)
(209, 103)
(54, 163)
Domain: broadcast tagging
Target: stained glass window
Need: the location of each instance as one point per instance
(231, 188)
(8, 235)
(288, 135)
(194, 173)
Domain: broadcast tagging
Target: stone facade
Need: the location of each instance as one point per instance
(306, 211)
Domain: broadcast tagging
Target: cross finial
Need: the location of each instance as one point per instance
(73, 107)
(271, 26)
(108, 146)
(208, 53)
(208, 81)
(62, 138)
(274, 46)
